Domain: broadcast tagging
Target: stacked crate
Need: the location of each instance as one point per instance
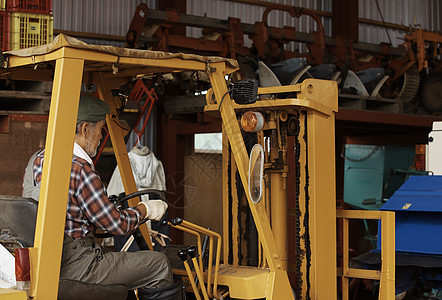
(25, 23)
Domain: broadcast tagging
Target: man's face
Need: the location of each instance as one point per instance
(94, 138)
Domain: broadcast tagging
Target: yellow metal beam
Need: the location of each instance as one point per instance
(278, 200)
(365, 274)
(279, 285)
(55, 180)
(279, 89)
(322, 203)
(225, 175)
(17, 61)
(359, 214)
(288, 104)
(117, 138)
(388, 245)
(387, 273)
(166, 64)
(9, 294)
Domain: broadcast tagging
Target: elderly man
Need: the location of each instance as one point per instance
(89, 208)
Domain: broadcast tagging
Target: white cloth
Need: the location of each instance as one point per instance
(78, 151)
(148, 172)
(7, 268)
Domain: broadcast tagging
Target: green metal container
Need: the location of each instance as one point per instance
(373, 173)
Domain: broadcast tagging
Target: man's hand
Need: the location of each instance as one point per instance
(155, 209)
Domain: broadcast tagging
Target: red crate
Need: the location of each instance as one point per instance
(30, 6)
(4, 31)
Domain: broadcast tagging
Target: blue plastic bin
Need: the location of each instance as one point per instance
(418, 207)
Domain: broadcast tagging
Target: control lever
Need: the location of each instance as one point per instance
(176, 221)
(192, 253)
(182, 254)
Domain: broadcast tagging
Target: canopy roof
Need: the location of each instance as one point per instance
(121, 62)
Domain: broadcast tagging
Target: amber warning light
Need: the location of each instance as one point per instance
(22, 269)
(252, 121)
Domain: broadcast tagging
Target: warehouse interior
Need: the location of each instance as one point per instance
(384, 56)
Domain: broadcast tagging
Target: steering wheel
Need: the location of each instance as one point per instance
(118, 200)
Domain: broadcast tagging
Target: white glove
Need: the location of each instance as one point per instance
(155, 209)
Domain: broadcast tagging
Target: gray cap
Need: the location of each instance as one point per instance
(92, 109)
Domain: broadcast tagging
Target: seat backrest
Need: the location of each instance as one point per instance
(19, 215)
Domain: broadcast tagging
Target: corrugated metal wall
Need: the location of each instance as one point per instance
(113, 16)
(426, 14)
(250, 14)
(98, 16)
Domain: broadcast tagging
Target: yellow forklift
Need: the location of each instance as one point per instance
(305, 111)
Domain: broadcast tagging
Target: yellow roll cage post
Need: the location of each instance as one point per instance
(69, 62)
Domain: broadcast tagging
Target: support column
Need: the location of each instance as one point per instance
(322, 205)
(278, 203)
(46, 254)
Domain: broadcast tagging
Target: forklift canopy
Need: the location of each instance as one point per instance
(119, 59)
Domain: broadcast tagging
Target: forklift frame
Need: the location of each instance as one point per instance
(69, 62)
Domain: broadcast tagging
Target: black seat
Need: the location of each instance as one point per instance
(18, 215)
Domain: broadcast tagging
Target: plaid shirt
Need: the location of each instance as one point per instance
(88, 205)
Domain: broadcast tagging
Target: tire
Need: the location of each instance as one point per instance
(431, 95)
(410, 84)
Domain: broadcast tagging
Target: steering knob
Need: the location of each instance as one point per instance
(191, 251)
(182, 254)
(177, 221)
(113, 198)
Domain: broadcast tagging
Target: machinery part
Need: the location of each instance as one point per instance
(431, 92)
(324, 71)
(252, 121)
(353, 85)
(410, 84)
(192, 253)
(285, 70)
(420, 48)
(157, 193)
(317, 48)
(371, 77)
(293, 126)
(336, 76)
(177, 221)
(182, 254)
(256, 173)
(378, 87)
(137, 24)
(247, 68)
(266, 76)
(245, 91)
(301, 76)
(2, 60)
(11, 244)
